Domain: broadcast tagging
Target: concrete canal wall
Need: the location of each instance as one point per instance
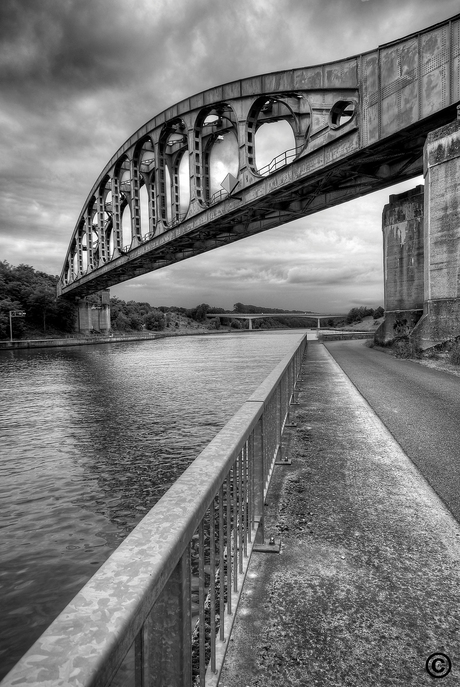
(93, 340)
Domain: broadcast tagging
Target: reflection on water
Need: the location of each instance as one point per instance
(91, 438)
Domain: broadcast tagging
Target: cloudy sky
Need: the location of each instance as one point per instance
(78, 77)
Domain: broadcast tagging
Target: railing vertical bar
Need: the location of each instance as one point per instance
(235, 525)
(139, 659)
(245, 499)
(272, 429)
(240, 510)
(250, 485)
(265, 449)
(221, 564)
(283, 398)
(280, 411)
(201, 604)
(212, 582)
(229, 546)
(259, 477)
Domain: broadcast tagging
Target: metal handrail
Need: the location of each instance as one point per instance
(176, 220)
(217, 196)
(279, 161)
(131, 623)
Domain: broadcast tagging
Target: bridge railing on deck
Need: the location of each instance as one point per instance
(160, 609)
(279, 161)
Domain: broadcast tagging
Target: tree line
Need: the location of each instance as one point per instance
(24, 289)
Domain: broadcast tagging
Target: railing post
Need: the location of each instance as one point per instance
(168, 631)
(259, 480)
(279, 419)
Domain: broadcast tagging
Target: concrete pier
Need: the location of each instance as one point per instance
(93, 314)
(403, 263)
(421, 250)
(441, 317)
(367, 584)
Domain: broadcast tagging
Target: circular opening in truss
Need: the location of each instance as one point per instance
(211, 120)
(176, 137)
(223, 160)
(341, 113)
(274, 146)
(168, 194)
(147, 159)
(216, 151)
(144, 210)
(94, 237)
(126, 228)
(75, 264)
(174, 188)
(111, 242)
(125, 179)
(84, 254)
(184, 183)
(108, 201)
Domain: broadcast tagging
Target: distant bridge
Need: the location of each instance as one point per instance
(358, 124)
(258, 316)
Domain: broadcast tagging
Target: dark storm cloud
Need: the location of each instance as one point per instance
(73, 44)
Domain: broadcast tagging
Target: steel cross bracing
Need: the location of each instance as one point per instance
(359, 124)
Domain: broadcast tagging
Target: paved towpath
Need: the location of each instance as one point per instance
(419, 405)
(367, 584)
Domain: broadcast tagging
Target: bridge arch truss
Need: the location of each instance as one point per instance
(358, 124)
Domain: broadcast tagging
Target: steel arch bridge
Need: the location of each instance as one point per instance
(359, 125)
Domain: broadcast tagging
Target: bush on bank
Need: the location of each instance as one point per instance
(133, 316)
(454, 354)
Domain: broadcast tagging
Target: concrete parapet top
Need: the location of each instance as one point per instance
(442, 131)
(397, 197)
(441, 145)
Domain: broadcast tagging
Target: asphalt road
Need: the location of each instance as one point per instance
(420, 406)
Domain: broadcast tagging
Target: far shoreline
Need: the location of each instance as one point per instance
(92, 340)
(27, 344)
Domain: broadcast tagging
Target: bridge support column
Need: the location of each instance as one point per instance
(403, 264)
(250, 322)
(104, 311)
(84, 322)
(441, 308)
(94, 314)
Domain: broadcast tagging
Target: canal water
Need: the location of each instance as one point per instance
(91, 437)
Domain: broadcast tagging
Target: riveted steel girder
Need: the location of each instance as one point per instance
(359, 125)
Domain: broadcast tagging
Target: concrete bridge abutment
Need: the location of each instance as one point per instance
(93, 314)
(403, 264)
(421, 246)
(441, 307)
